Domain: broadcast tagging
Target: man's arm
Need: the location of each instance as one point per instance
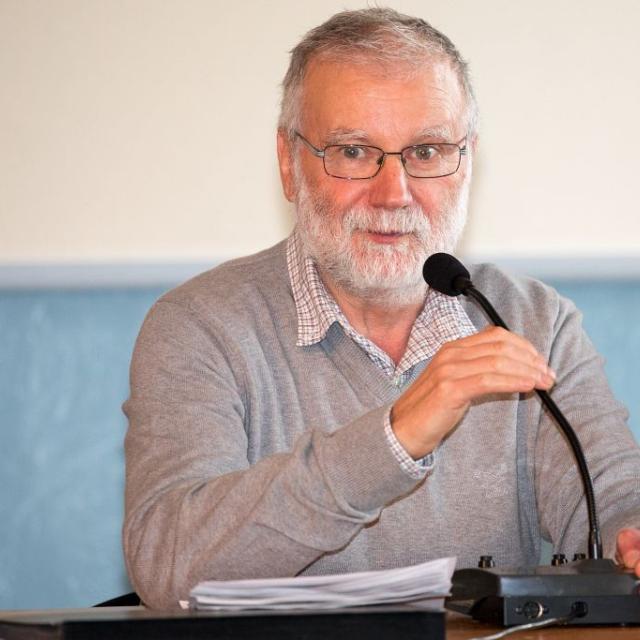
(195, 509)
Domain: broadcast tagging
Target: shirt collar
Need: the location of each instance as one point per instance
(441, 320)
(315, 307)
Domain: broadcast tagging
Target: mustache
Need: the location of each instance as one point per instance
(410, 220)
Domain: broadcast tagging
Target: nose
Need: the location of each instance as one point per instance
(390, 188)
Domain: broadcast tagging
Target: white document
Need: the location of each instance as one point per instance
(429, 582)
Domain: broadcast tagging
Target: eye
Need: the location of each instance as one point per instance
(352, 152)
(425, 152)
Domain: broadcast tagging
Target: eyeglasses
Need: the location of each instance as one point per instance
(361, 161)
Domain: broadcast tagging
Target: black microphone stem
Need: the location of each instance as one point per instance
(472, 292)
(595, 542)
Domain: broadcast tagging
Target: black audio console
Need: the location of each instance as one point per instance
(592, 591)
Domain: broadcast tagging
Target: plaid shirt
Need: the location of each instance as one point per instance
(441, 320)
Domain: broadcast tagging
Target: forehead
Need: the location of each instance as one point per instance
(382, 102)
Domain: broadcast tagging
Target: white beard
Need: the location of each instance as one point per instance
(387, 274)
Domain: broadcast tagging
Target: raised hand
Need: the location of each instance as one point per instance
(491, 361)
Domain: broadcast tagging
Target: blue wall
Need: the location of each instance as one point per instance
(64, 359)
(612, 319)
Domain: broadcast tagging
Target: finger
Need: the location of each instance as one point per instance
(453, 394)
(627, 539)
(631, 559)
(492, 382)
(490, 334)
(525, 377)
(506, 359)
(628, 547)
(531, 375)
(496, 349)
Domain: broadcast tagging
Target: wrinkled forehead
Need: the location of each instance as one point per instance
(391, 63)
(339, 90)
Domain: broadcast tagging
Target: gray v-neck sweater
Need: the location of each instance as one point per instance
(248, 456)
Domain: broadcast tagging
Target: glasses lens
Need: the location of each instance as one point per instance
(352, 161)
(431, 160)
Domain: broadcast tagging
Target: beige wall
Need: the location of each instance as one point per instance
(144, 130)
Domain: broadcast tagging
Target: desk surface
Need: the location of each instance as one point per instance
(459, 627)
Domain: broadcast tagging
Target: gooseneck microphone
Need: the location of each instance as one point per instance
(448, 275)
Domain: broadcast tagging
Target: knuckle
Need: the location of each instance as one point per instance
(444, 359)
(445, 351)
(445, 371)
(502, 347)
(484, 380)
(448, 386)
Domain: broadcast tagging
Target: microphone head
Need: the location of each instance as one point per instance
(446, 274)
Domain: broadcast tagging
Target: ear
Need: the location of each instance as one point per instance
(285, 160)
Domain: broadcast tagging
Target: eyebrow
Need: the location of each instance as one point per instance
(342, 135)
(441, 132)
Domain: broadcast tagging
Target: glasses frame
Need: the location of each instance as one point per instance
(321, 153)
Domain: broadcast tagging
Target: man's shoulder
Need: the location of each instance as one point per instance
(521, 300)
(236, 286)
(492, 279)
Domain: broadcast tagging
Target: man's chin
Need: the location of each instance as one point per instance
(391, 288)
(388, 269)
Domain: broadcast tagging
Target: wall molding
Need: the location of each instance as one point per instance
(166, 274)
(552, 267)
(99, 275)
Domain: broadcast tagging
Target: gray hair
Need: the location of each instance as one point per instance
(378, 35)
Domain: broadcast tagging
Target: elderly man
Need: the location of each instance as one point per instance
(315, 408)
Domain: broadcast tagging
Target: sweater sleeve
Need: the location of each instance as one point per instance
(195, 509)
(584, 396)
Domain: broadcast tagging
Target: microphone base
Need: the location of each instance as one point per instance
(595, 591)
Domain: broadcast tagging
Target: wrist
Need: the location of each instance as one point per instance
(415, 442)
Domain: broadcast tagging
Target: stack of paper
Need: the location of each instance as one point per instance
(429, 580)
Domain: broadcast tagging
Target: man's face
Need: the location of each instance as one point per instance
(372, 236)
